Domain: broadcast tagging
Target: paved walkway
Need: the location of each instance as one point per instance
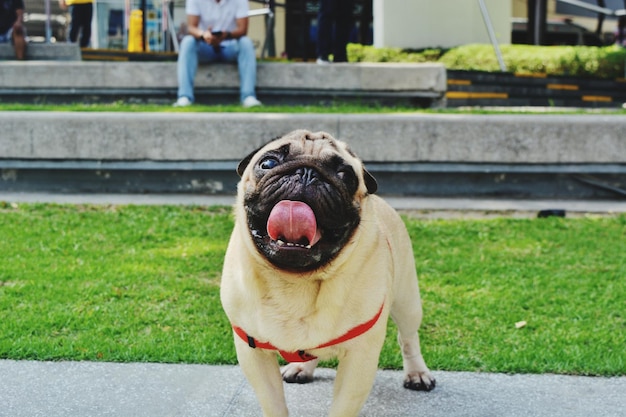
(87, 389)
(439, 205)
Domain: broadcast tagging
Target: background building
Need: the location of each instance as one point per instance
(411, 24)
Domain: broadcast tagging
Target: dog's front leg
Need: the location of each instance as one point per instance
(262, 371)
(355, 377)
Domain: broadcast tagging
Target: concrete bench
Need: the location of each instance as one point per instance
(425, 84)
(44, 52)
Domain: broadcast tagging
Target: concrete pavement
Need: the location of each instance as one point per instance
(438, 207)
(88, 389)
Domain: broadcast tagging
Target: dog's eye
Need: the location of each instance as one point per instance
(268, 163)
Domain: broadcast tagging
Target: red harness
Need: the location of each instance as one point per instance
(301, 355)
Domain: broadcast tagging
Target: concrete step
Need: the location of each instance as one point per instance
(422, 85)
(546, 156)
(37, 52)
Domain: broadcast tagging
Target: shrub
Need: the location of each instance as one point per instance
(600, 62)
(364, 53)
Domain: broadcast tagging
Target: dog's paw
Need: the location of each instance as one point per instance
(299, 373)
(420, 381)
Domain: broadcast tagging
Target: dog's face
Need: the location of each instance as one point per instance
(301, 196)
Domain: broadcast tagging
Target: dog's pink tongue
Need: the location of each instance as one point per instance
(292, 221)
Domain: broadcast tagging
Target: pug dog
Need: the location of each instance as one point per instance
(315, 265)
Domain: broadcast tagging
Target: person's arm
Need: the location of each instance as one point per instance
(192, 26)
(240, 30)
(19, 35)
(19, 21)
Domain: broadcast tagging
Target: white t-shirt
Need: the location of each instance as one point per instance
(216, 16)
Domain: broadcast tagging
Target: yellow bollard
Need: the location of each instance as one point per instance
(135, 31)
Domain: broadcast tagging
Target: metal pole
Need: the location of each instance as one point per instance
(171, 30)
(492, 34)
(540, 22)
(48, 29)
(127, 8)
(271, 22)
(601, 3)
(144, 10)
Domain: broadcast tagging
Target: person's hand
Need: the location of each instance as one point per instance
(62, 4)
(215, 40)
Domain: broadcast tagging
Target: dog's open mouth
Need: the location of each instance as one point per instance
(298, 235)
(293, 224)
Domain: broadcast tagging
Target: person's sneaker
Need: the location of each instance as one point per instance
(183, 102)
(250, 101)
(321, 61)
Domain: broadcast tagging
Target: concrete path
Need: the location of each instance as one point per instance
(441, 206)
(87, 389)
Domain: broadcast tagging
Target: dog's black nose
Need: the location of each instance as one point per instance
(307, 175)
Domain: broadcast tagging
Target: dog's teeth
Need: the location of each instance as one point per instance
(292, 245)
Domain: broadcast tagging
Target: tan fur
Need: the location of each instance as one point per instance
(303, 310)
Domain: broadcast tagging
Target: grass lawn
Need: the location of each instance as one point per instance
(322, 108)
(131, 283)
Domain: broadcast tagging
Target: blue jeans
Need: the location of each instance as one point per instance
(6, 37)
(192, 52)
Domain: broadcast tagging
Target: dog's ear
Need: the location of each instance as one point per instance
(245, 161)
(370, 182)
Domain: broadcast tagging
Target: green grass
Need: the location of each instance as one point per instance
(122, 106)
(322, 108)
(128, 283)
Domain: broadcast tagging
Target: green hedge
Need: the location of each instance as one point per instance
(600, 62)
(364, 53)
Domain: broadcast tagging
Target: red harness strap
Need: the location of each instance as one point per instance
(301, 355)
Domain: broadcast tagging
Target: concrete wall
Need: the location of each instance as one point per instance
(447, 23)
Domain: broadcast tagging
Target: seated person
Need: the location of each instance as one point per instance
(12, 26)
(216, 31)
